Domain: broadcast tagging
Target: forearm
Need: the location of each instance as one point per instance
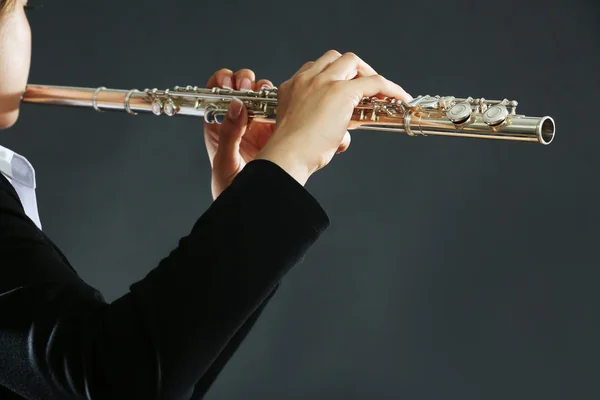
(235, 255)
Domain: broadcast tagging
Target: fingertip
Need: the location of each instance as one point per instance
(233, 127)
(263, 84)
(404, 94)
(393, 90)
(217, 78)
(244, 79)
(244, 84)
(227, 82)
(345, 143)
(236, 110)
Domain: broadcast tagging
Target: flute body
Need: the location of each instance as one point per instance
(423, 116)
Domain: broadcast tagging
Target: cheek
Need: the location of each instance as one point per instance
(22, 49)
(15, 58)
(15, 49)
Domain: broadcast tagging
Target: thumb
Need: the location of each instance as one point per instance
(231, 131)
(345, 143)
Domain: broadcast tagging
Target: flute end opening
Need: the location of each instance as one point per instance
(546, 131)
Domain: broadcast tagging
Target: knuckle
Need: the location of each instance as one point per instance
(302, 79)
(352, 57)
(333, 52)
(320, 80)
(338, 87)
(284, 86)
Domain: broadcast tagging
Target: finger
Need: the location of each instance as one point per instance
(348, 67)
(263, 83)
(374, 85)
(221, 78)
(345, 143)
(231, 132)
(244, 79)
(304, 68)
(323, 62)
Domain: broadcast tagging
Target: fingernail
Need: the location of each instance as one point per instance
(235, 108)
(246, 84)
(227, 82)
(410, 97)
(265, 86)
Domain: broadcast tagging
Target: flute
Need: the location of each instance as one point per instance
(423, 116)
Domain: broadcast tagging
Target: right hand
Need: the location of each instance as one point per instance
(314, 110)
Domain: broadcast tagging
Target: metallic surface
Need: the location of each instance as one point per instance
(424, 115)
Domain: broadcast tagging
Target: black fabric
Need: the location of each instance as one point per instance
(171, 335)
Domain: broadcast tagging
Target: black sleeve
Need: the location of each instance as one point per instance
(170, 334)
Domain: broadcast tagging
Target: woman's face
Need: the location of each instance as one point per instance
(15, 57)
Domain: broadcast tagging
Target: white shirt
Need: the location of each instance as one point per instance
(21, 174)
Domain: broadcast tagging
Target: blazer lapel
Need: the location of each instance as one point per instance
(6, 186)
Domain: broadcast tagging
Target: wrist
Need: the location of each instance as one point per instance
(289, 162)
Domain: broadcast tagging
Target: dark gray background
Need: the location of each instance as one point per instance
(453, 268)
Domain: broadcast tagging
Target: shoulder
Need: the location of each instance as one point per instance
(7, 191)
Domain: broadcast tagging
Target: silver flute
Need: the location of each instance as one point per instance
(422, 116)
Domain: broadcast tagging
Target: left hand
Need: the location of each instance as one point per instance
(234, 143)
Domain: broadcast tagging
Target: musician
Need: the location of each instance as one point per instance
(172, 333)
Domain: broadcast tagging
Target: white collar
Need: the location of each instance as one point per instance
(17, 167)
(6, 157)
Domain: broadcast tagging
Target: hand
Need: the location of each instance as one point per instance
(234, 143)
(314, 109)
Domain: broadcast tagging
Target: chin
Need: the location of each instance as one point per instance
(8, 119)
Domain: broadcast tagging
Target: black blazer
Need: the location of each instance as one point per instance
(171, 335)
